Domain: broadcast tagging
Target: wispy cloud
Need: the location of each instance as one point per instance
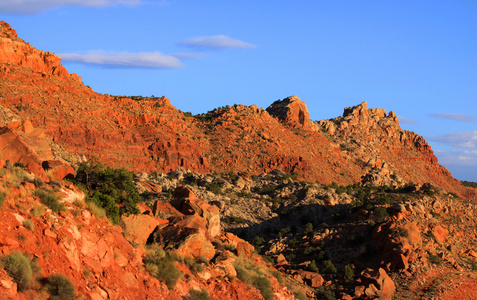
(188, 55)
(405, 120)
(217, 42)
(151, 60)
(457, 157)
(465, 139)
(455, 117)
(30, 7)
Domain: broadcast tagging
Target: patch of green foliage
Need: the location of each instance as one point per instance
(267, 189)
(60, 287)
(18, 267)
(233, 220)
(327, 267)
(380, 214)
(49, 199)
(161, 265)
(469, 184)
(111, 189)
(348, 273)
(198, 294)
(215, 188)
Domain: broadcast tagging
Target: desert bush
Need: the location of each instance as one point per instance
(233, 220)
(262, 283)
(312, 266)
(2, 198)
(28, 224)
(348, 273)
(434, 259)
(60, 287)
(49, 199)
(248, 272)
(161, 265)
(267, 189)
(111, 189)
(300, 296)
(38, 211)
(328, 267)
(199, 294)
(214, 188)
(380, 214)
(80, 203)
(308, 228)
(18, 267)
(97, 211)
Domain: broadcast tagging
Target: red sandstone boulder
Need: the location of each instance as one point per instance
(138, 228)
(377, 284)
(291, 111)
(187, 203)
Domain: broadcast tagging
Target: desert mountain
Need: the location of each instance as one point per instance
(352, 207)
(145, 134)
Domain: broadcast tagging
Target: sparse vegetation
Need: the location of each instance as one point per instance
(60, 287)
(198, 294)
(111, 189)
(248, 272)
(49, 199)
(18, 267)
(160, 264)
(28, 224)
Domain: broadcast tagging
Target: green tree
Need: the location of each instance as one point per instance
(112, 189)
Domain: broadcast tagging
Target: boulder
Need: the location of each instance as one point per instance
(186, 241)
(187, 203)
(378, 284)
(138, 228)
(291, 111)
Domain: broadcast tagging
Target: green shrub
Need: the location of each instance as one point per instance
(380, 214)
(97, 211)
(161, 265)
(199, 294)
(233, 220)
(328, 267)
(300, 296)
(28, 224)
(38, 211)
(263, 285)
(2, 198)
(348, 273)
(434, 259)
(214, 188)
(308, 228)
(267, 189)
(312, 267)
(49, 199)
(60, 287)
(18, 267)
(111, 189)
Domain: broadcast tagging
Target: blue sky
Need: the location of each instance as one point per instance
(417, 58)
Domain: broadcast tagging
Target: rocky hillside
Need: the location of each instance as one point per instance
(240, 202)
(149, 134)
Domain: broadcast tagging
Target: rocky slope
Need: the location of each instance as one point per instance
(148, 134)
(351, 208)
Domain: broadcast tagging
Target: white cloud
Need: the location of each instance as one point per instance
(216, 42)
(465, 139)
(405, 120)
(188, 55)
(457, 157)
(455, 117)
(29, 7)
(153, 60)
